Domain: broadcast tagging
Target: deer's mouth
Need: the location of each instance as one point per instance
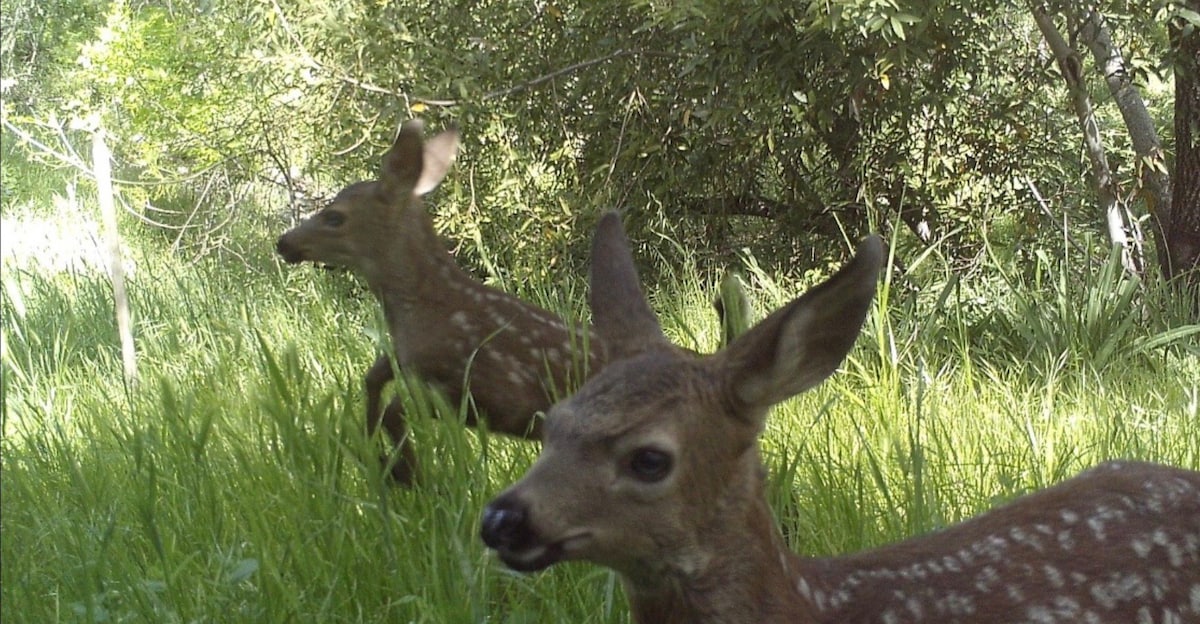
(535, 557)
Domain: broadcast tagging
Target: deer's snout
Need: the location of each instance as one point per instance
(291, 254)
(506, 526)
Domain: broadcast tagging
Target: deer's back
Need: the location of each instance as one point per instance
(515, 358)
(1119, 543)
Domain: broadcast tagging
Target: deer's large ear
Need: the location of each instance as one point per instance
(802, 343)
(405, 160)
(620, 312)
(439, 154)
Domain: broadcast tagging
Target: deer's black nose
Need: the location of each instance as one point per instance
(288, 251)
(505, 525)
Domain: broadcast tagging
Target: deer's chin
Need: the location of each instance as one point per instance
(541, 556)
(531, 559)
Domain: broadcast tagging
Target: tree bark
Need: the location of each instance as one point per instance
(1151, 164)
(1182, 233)
(1107, 193)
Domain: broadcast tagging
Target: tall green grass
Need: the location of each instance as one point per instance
(233, 481)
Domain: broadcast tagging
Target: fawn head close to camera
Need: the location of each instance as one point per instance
(652, 469)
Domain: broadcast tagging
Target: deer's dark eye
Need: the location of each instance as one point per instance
(650, 465)
(333, 218)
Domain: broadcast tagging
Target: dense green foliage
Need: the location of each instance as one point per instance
(233, 483)
(719, 127)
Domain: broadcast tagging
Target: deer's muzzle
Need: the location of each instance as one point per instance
(291, 254)
(506, 528)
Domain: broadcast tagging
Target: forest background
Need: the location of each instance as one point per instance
(1034, 166)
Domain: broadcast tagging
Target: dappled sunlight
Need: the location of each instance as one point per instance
(69, 241)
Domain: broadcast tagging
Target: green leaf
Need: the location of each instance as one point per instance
(1188, 15)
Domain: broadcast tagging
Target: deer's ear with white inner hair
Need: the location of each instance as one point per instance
(801, 344)
(439, 155)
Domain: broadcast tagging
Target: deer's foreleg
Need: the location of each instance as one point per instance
(404, 469)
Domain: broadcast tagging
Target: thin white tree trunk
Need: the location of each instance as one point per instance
(1106, 187)
(1151, 164)
(102, 167)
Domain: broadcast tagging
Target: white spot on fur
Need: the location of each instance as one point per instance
(1039, 615)
(819, 599)
(1067, 606)
(1024, 538)
(1053, 575)
(1141, 546)
(914, 607)
(1174, 551)
(1117, 589)
(1160, 584)
(803, 588)
(1066, 541)
(1097, 526)
(987, 579)
(991, 547)
(955, 603)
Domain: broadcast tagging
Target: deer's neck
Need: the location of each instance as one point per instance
(411, 267)
(746, 574)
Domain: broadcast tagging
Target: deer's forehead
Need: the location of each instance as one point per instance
(658, 389)
(356, 193)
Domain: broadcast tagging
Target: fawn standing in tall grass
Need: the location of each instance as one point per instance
(446, 328)
(653, 469)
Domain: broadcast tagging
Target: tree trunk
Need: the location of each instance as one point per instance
(1107, 193)
(1151, 165)
(1182, 232)
(102, 167)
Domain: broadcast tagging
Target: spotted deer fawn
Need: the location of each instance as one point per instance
(446, 328)
(652, 469)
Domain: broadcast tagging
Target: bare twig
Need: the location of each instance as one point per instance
(554, 74)
(70, 158)
(1045, 206)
